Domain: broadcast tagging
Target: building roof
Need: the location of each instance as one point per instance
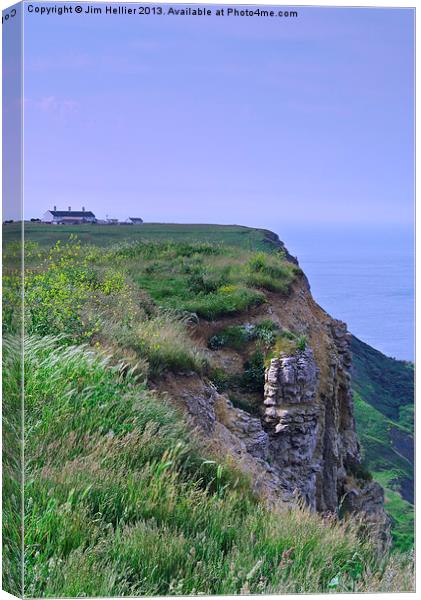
(72, 213)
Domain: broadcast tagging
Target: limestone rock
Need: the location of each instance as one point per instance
(304, 444)
(367, 501)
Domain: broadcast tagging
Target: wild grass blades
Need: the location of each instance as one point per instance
(162, 341)
(227, 300)
(271, 272)
(116, 486)
(166, 345)
(12, 476)
(210, 281)
(121, 498)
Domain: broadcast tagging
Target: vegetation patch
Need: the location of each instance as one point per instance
(211, 281)
(120, 498)
(384, 410)
(237, 236)
(164, 342)
(388, 467)
(266, 271)
(227, 300)
(121, 501)
(261, 342)
(238, 336)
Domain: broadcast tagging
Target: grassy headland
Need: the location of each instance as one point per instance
(231, 235)
(121, 498)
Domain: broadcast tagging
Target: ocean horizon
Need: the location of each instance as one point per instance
(363, 276)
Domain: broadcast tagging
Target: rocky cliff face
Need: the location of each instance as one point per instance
(302, 444)
(292, 420)
(312, 437)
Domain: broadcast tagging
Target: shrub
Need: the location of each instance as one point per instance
(220, 379)
(205, 282)
(246, 403)
(266, 331)
(253, 378)
(226, 300)
(360, 471)
(216, 342)
(235, 336)
(301, 342)
(238, 336)
(54, 300)
(57, 297)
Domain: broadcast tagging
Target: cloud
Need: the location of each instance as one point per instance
(53, 105)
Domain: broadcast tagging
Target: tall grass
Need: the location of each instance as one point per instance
(12, 476)
(211, 281)
(270, 272)
(162, 341)
(227, 300)
(120, 500)
(120, 497)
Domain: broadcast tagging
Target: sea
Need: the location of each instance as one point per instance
(363, 276)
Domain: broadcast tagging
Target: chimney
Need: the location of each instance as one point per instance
(83, 209)
(55, 207)
(70, 208)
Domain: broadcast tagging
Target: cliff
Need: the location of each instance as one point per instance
(296, 437)
(295, 433)
(154, 500)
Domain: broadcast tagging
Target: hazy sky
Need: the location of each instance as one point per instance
(245, 120)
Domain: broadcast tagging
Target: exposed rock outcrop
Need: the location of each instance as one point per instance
(304, 444)
(292, 418)
(367, 502)
(312, 439)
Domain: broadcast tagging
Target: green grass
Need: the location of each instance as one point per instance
(266, 272)
(211, 281)
(163, 342)
(384, 411)
(12, 464)
(106, 235)
(388, 467)
(120, 497)
(239, 336)
(385, 383)
(120, 500)
(228, 300)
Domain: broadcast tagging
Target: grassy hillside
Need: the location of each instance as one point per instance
(106, 235)
(121, 498)
(384, 396)
(385, 383)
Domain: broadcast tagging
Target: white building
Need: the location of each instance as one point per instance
(68, 217)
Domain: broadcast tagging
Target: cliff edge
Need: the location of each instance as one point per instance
(296, 436)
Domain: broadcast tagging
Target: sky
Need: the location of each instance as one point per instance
(226, 120)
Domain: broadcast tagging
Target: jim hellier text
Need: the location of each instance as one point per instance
(166, 10)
